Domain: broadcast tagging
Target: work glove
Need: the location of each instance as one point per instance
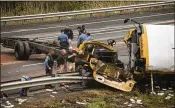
(49, 68)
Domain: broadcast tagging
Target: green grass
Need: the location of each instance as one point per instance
(139, 11)
(16, 8)
(102, 98)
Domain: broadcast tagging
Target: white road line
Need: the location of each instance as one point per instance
(114, 28)
(51, 36)
(32, 64)
(84, 23)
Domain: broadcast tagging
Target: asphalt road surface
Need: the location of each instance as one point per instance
(101, 29)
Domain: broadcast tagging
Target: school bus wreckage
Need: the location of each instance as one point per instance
(150, 48)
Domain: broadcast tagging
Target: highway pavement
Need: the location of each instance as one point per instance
(101, 28)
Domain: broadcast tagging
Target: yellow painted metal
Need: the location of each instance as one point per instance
(144, 47)
(124, 86)
(128, 36)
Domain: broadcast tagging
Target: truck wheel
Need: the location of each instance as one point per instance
(19, 50)
(26, 50)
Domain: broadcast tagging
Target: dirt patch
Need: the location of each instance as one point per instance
(5, 58)
(9, 58)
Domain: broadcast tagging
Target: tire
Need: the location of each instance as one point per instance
(19, 50)
(26, 50)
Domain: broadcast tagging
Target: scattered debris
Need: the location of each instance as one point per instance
(81, 103)
(132, 100)
(52, 96)
(8, 103)
(170, 88)
(63, 101)
(7, 106)
(160, 94)
(168, 97)
(130, 105)
(153, 93)
(126, 103)
(20, 101)
(164, 89)
(50, 90)
(66, 86)
(54, 92)
(121, 95)
(139, 102)
(3, 98)
(157, 87)
(171, 95)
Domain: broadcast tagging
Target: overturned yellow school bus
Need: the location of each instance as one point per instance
(150, 49)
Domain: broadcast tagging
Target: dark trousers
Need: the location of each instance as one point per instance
(64, 45)
(48, 72)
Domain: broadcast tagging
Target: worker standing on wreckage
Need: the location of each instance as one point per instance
(81, 29)
(89, 37)
(82, 38)
(68, 31)
(63, 39)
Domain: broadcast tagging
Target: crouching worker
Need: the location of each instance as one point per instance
(49, 62)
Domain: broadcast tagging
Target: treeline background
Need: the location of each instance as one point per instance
(17, 8)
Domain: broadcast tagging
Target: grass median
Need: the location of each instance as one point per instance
(29, 8)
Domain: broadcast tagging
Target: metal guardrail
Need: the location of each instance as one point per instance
(42, 81)
(81, 12)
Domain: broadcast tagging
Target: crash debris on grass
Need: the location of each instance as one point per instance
(52, 96)
(169, 96)
(54, 92)
(81, 103)
(7, 105)
(49, 90)
(20, 101)
(134, 101)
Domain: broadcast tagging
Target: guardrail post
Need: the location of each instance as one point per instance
(24, 91)
(59, 19)
(23, 22)
(106, 14)
(76, 17)
(121, 12)
(91, 15)
(42, 20)
(4, 23)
